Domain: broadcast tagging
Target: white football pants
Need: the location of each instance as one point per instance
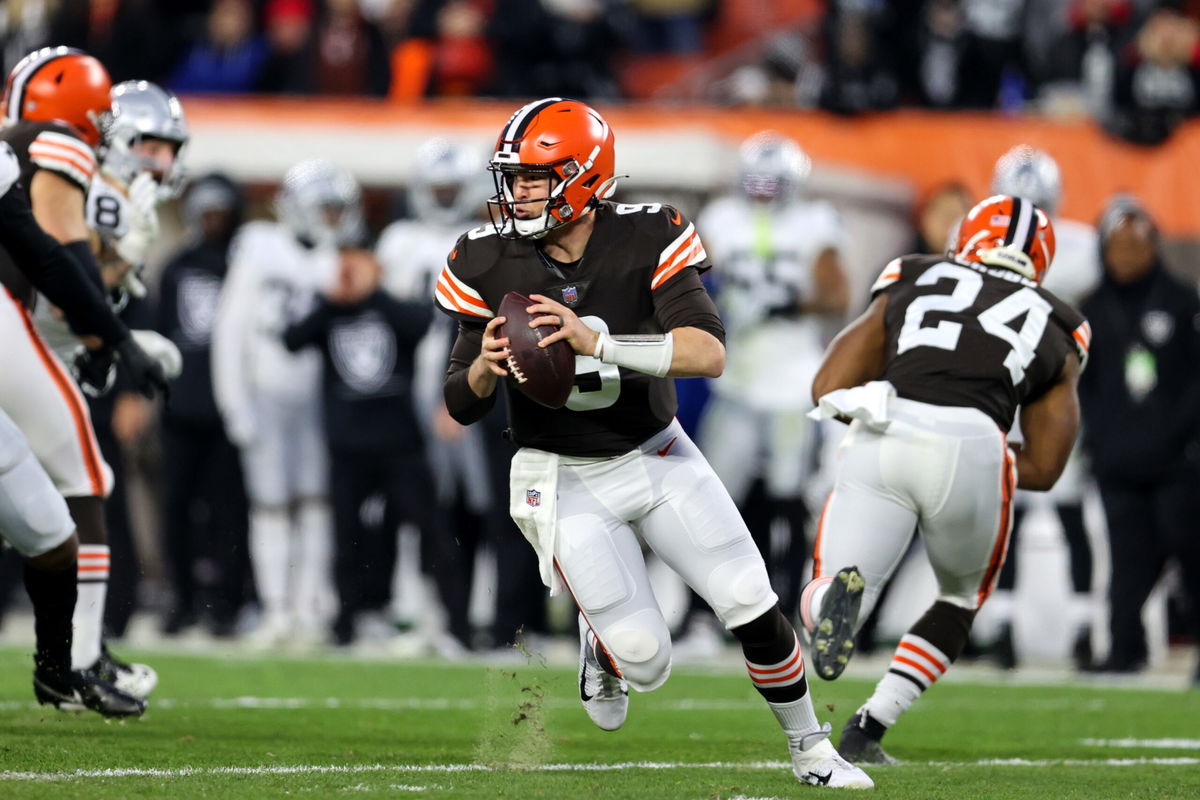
(947, 471)
(665, 493)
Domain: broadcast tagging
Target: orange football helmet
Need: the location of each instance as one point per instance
(565, 138)
(60, 84)
(1009, 232)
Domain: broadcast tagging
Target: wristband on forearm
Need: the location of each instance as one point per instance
(648, 354)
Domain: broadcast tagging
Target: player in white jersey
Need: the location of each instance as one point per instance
(779, 282)
(269, 397)
(445, 194)
(1034, 174)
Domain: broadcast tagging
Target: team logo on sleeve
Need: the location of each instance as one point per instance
(533, 498)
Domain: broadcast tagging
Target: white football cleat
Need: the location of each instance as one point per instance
(817, 763)
(138, 680)
(605, 697)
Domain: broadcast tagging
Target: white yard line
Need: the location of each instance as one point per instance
(1165, 744)
(393, 704)
(354, 769)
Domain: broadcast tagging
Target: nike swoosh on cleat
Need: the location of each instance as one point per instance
(583, 695)
(663, 452)
(821, 779)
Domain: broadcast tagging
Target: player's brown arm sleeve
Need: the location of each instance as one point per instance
(461, 401)
(54, 272)
(1049, 425)
(856, 355)
(685, 303)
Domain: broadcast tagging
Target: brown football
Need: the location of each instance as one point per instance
(543, 374)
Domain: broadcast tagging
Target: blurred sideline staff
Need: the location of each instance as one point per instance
(1141, 410)
(204, 506)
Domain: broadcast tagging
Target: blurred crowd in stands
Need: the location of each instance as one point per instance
(1131, 64)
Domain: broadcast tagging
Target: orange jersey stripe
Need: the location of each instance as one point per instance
(671, 265)
(62, 156)
(449, 298)
(52, 139)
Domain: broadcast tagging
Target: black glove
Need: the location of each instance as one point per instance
(95, 371)
(144, 372)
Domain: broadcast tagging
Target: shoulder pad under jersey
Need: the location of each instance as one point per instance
(475, 252)
(57, 149)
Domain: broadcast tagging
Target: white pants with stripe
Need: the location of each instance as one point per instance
(666, 495)
(945, 471)
(33, 515)
(40, 396)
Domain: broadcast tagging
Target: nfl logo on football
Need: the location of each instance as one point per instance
(533, 497)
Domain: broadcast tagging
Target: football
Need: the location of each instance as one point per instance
(543, 374)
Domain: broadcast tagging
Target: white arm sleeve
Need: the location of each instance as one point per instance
(232, 329)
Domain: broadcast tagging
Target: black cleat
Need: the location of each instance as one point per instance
(83, 689)
(861, 741)
(833, 634)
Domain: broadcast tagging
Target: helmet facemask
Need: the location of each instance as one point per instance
(145, 112)
(557, 211)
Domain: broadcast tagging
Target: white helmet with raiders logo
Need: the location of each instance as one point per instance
(772, 166)
(321, 204)
(144, 112)
(1027, 172)
(449, 182)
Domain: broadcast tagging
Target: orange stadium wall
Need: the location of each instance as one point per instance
(690, 148)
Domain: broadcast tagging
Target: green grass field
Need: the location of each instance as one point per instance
(243, 727)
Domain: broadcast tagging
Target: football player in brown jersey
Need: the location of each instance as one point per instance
(56, 106)
(613, 466)
(34, 518)
(930, 378)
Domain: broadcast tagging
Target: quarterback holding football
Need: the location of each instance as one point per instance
(611, 467)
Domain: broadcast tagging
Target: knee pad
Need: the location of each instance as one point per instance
(740, 591)
(641, 646)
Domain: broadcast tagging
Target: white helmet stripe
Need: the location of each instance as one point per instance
(1024, 212)
(516, 125)
(16, 96)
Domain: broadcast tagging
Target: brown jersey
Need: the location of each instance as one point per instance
(639, 275)
(966, 334)
(48, 146)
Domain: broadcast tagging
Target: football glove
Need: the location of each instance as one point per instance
(162, 350)
(135, 245)
(144, 372)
